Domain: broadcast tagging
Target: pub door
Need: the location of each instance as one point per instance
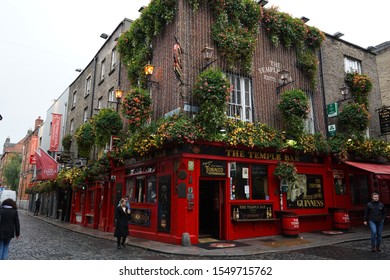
(210, 209)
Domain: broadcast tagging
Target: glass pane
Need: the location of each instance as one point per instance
(259, 181)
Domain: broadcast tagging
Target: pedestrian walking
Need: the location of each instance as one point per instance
(37, 206)
(121, 232)
(375, 216)
(9, 226)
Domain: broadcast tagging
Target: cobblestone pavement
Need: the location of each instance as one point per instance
(43, 241)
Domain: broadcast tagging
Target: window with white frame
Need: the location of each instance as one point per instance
(309, 122)
(111, 94)
(103, 70)
(240, 102)
(113, 59)
(100, 103)
(74, 99)
(352, 65)
(88, 84)
(71, 126)
(85, 115)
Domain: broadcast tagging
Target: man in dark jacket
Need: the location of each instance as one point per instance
(375, 216)
(9, 226)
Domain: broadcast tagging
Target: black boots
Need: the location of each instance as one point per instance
(375, 249)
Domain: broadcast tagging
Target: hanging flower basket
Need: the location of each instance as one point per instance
(286, 171)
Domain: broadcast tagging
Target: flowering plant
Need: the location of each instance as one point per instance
(136, 107)
(85, 138)
(286, 171)
(107, 122)
(294, 102)
(354, 118)
(358, 83)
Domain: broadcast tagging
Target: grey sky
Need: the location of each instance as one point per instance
(42, 42)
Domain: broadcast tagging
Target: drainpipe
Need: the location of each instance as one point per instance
(323, 88)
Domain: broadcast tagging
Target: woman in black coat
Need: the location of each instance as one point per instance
(121, 223)
(9, 226)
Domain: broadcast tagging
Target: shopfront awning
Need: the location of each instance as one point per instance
(382, 171)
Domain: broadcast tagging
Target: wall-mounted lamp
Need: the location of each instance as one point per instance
(141, 9)
(371, 48)
(208, 54)
(338, 35)
(118, 93)
(284, 80)
(304, 19)
(104, 36)
(344, 93)
(149, 69)
(78, 70)
(262, 2)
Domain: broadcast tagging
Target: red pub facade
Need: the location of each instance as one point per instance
(210, 189)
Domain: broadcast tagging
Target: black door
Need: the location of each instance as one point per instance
(209, 209)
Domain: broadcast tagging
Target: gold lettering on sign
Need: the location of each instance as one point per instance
(261, 155)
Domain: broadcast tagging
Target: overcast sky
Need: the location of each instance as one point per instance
(42, 42)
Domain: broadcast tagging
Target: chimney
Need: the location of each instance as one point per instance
(38, 122)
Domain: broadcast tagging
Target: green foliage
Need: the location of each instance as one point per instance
(286, 171)
(211, 91)
(235, 29)
(294, 106)
(134, 45)
(11, 171)
(354, 119)
(85, 139)
(136, 108)
(283, 29)
(106, 123)
(67, 142)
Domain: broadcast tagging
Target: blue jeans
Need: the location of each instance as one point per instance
(4, 249)
(376, 233)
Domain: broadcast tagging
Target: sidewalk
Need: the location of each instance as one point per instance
(241, 247)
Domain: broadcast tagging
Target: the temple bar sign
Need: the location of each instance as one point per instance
(384, 120)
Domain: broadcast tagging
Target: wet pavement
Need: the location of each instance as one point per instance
(44, 238)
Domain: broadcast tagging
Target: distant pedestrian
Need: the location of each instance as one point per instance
(9, 226)
(121, 232)
(375, 216)
(37, 206)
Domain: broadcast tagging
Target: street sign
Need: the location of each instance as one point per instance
(332, 130)
(332, 110)
(384, 120)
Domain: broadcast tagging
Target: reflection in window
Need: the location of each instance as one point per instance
(359, 189)
(240, 182)
(151, 190)
(259, 180)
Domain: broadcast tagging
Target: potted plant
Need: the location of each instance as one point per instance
(285, 171)
(136, 108)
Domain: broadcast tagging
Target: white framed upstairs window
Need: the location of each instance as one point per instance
(100, 103)
(102, 70)
(309, 122)
(111, 94)
(88, 86)
(71, 126)
(85, 115)
(113, 59)
(352, 65)
(74, 99)
(240, 101)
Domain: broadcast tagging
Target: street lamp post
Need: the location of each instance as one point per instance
(118, 95)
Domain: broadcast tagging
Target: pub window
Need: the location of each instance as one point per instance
(140, 189)
(130, 189)
(240, 101)
(240, 182)
(91, 200)
(150, 192)
(359, 188)
(259, 182)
